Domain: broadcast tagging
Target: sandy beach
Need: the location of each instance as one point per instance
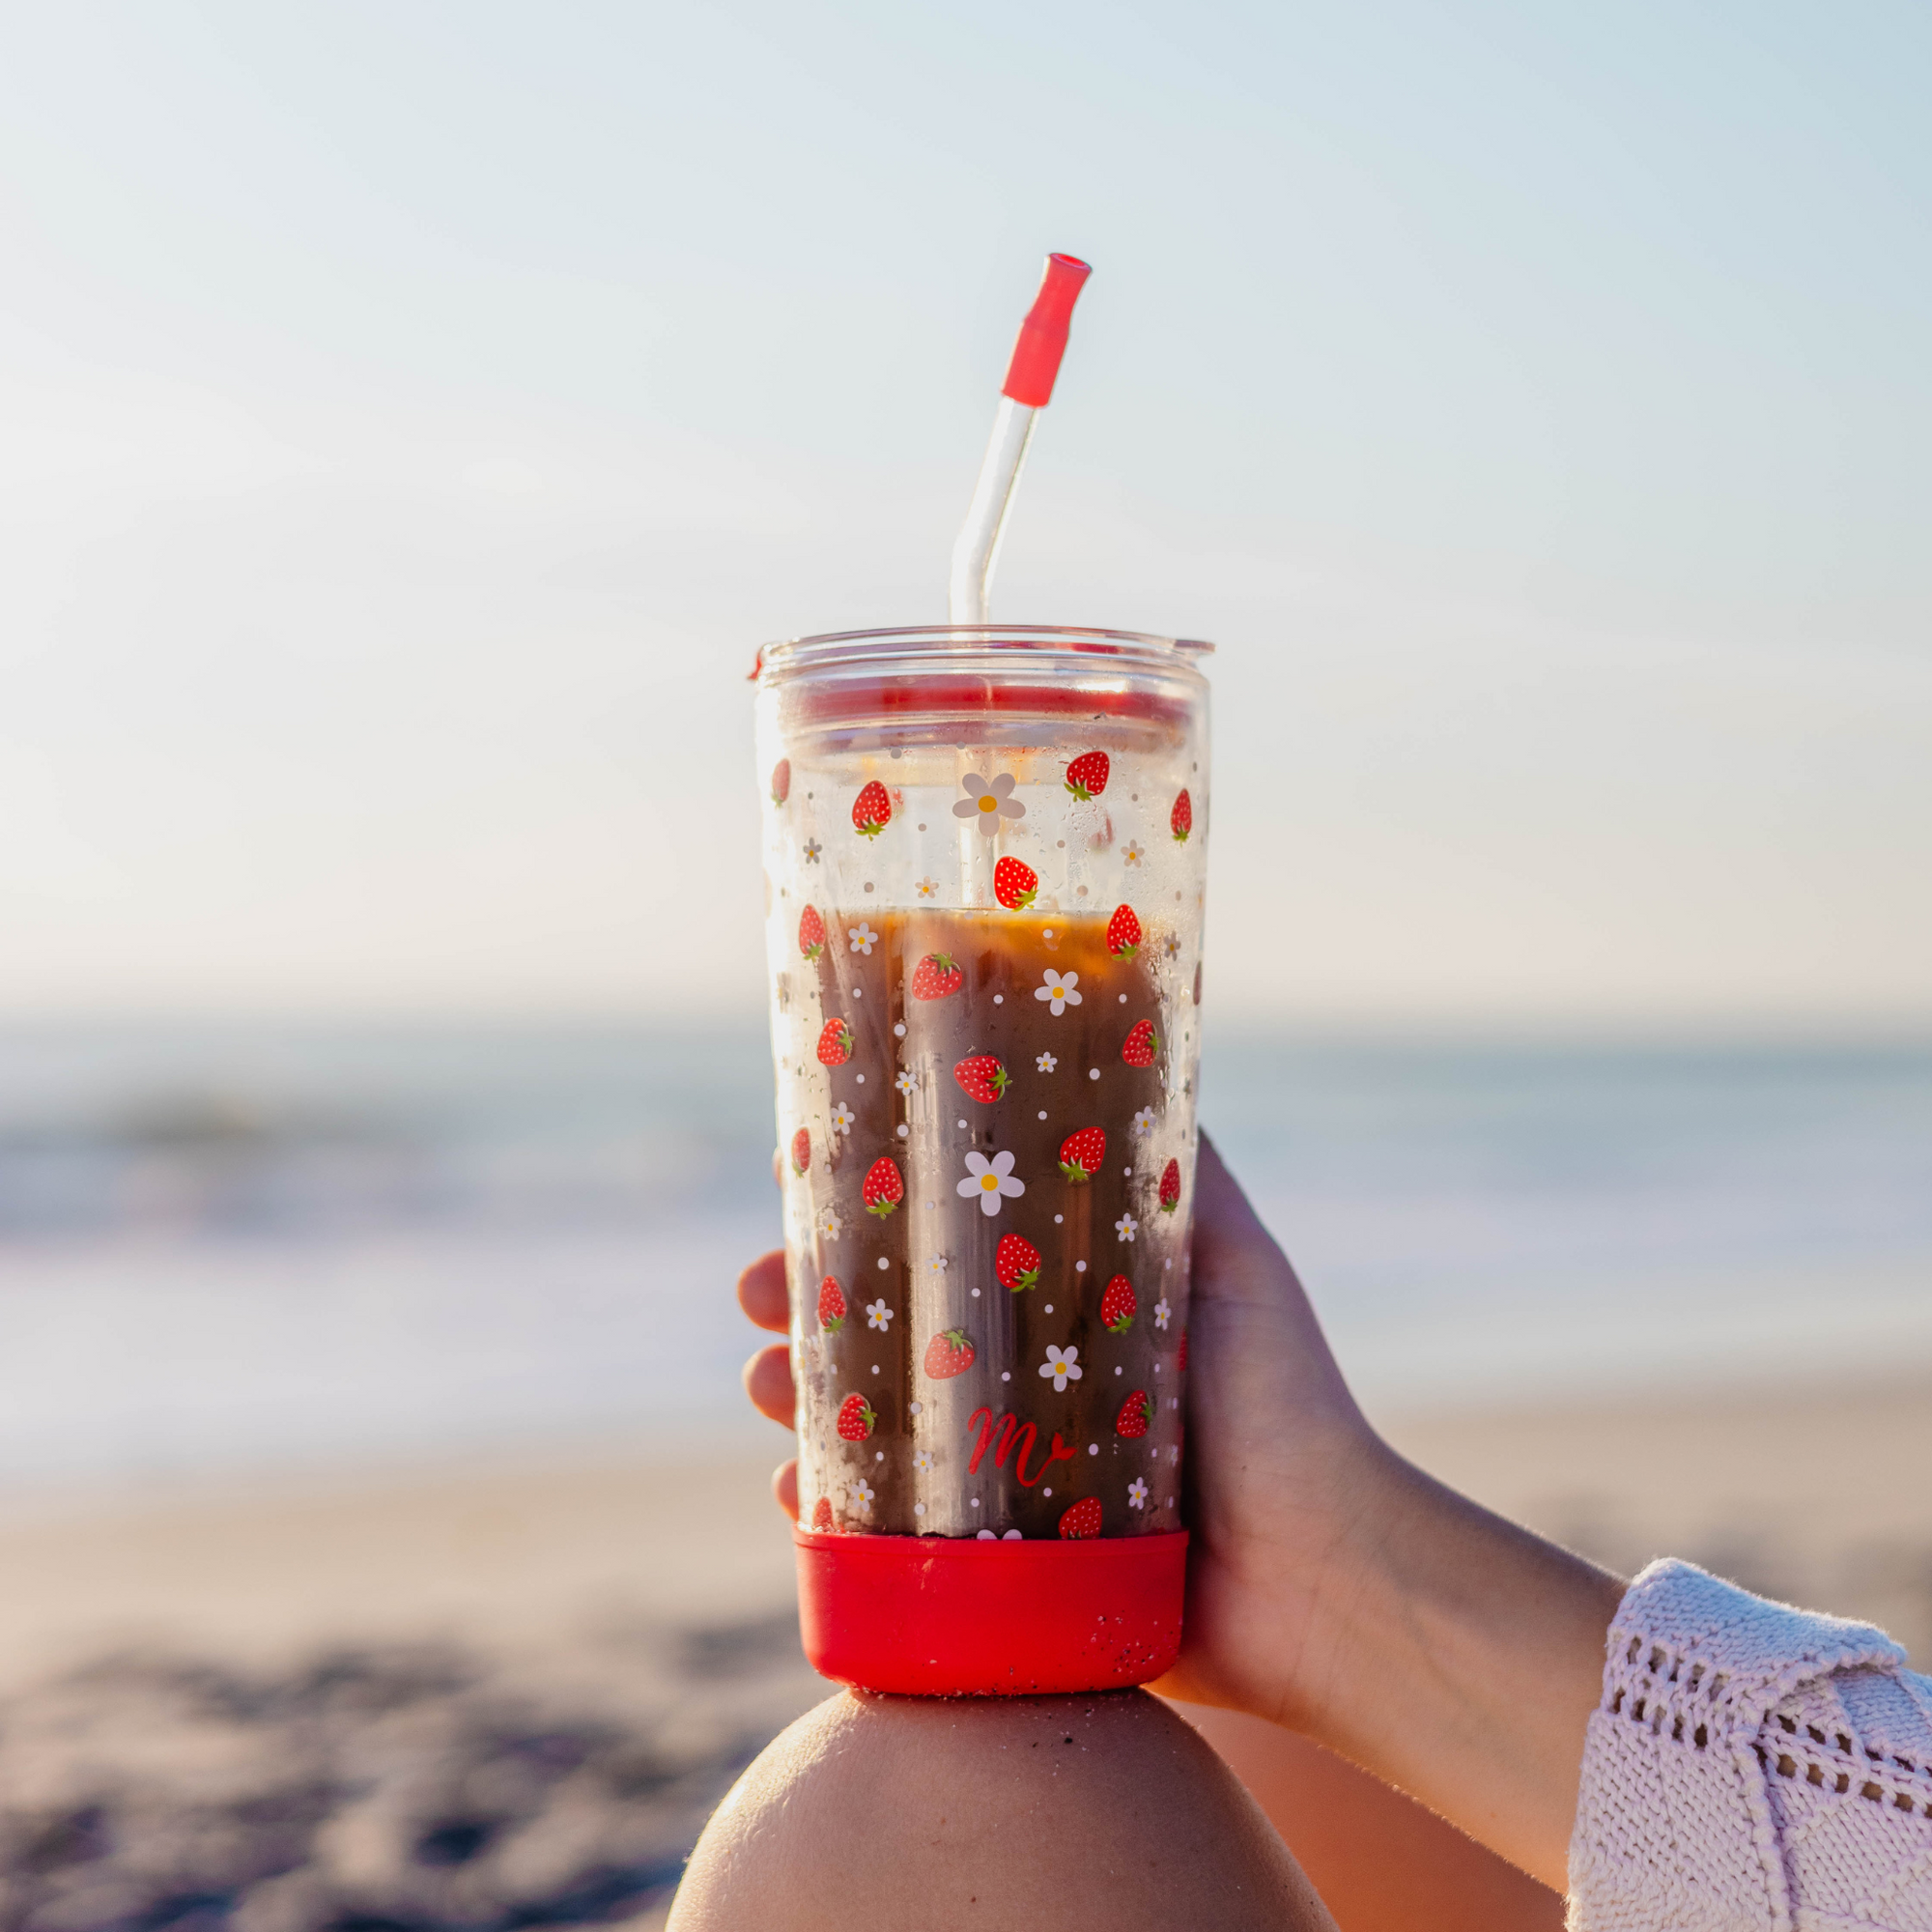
(509, 1692)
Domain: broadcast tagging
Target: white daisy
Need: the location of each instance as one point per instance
(1137, 1494)
(1133, 854)
(1161, 1311)
(1126, 1227)
(813, 848)
(1046, 1062)
(878, 1314)
(1144, 1120)
(1061, 1366)
(863, 938)
(830, 1225)
(1057, 989)
(990, 1181)
(938, 1264)
(923, 1461)
(928, 889)
(987, 800)
(906, 1084)
(1171, 946)
(842, 1118)
(861, 1493)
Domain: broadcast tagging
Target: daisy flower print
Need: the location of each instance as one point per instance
(990, 1182)
(1059, 990)
(988, 801)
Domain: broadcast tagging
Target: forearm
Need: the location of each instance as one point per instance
(1459, 1656)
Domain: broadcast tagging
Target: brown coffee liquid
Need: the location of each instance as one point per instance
(932, 1446)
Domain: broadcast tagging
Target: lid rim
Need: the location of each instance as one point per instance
(939, 641)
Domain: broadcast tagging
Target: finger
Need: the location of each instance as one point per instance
(761, 1292)
(768, 1383)
(784, 1487)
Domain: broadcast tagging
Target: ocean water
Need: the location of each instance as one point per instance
(234, 1249)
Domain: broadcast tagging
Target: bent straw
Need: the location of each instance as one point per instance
(1026, 391)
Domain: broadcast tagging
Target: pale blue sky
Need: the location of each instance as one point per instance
(401, 406)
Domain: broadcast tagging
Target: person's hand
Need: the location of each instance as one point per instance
(1331, 1587)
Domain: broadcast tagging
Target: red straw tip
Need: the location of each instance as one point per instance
(1043, 334)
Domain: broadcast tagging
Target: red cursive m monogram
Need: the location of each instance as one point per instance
(1014, 1436)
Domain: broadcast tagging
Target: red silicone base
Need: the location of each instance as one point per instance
(932, 1617)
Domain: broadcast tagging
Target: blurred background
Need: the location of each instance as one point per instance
(411, 423)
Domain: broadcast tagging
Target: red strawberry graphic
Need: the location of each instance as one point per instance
(831, 1305)
(935, 976)
(1170, 1187)
(856, 1419)
(1136, 1413)
(1016, 884)
(1081, 1153)
(1180, 821)
(1117, 1306)
(1087, 774)
(835, 1045)
(982, 1077)
(821, 1515)
(949, 1355)
(1082, 1519)
(1017, 1263)
(871, 809)
(883, 1190)
(1123, 933)
(1141, 1045)
(811, 933)
(801, 1150)
(1181, 1353)
(781, 787)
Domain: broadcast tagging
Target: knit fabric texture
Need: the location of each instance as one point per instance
(1751, 1768)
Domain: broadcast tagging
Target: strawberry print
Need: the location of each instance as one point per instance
(936, 978)
(1170, 1187)
(1083, 1519)
(1123, 933)
(821, 1515)
(835, 1045)
(1141, 1045)
(1180, 820)
(884, 1189)
(801, 1150)
(781, 783)
(1087, 774)
(811, 933)
(949, 1353)
(831, 1305)
(856, 1419)
(1081, 1153)
(1117, 1306)
(871, 809)
(1016, 884)
(1135, 1416)
(982, 1077)
(1017, 1263)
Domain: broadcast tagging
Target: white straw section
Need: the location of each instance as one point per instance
(977, 551)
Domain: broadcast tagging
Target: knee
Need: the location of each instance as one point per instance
(1103, 1810)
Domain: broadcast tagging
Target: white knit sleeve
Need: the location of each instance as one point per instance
(1752, 1766)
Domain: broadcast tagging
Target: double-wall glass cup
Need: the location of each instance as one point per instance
(985, 861)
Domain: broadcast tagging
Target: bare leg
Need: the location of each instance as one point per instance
(1104, 1813)
(1379, 1859)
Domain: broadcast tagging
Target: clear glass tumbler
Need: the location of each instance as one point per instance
(985, 860)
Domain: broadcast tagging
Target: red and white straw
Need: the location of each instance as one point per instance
(1026, 391)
